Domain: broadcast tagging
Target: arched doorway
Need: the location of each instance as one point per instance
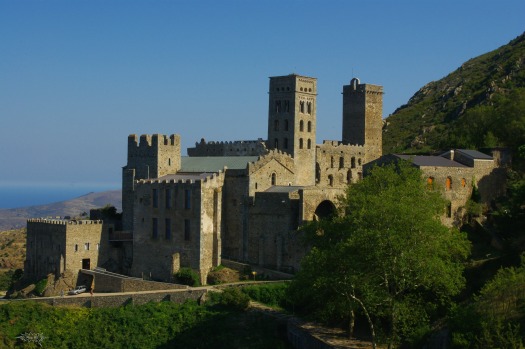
(325, 209)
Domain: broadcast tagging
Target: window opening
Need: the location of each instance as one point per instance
(187, 235)
(274, 178)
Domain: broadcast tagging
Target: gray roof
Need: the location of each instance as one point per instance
(428, 160)
(283, 189)
(184, 176)
(210, 164)
(474, 154)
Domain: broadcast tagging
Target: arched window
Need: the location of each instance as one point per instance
(277, 106)
(341, 162)
(309, 127)
(309, 143)
(301, 106)
(331, 161)
(255, 185)
(301, 126)
(309, 107)
(276, 125)
(463, 182)
(286, 125)
(274, 178)
(331, 180)
(300, 143)
(430, 183)
(448, 184)
(286, 106)
(352, 162)
(349, 176)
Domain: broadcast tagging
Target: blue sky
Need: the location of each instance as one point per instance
(77, 77)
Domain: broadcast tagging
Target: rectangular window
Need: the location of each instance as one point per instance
(154, 228)
(168, 198)
(187, 199)
(86, 246)
(187, 235)
(155, 195)
(168, 229)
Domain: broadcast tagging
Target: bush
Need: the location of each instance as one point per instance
(231, 297)
(188, 276)
(40, 287)
(8, 278)
(269, 294)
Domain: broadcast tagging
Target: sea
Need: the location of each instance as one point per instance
(23, 195)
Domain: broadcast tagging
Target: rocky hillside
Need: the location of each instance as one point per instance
(482, 103)
(16, 217)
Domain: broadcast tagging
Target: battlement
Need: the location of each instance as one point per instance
(340, 146)
(228, 148)
(210, 179)
(64, 221)
(154, 140)
(356, 86)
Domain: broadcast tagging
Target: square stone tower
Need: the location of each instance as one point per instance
(362, 117)
(292, 122)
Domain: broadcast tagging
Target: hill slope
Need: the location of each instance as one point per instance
(476, 105)
(14, 218)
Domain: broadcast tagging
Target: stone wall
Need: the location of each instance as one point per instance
(54, 246)
(235, 148)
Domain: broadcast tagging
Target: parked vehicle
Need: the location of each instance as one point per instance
(78, 290)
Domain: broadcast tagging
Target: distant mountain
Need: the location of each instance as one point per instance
(481, 104)
(14, 218)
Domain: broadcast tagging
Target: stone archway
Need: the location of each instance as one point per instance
(325, 209)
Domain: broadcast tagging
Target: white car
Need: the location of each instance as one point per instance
(78, 290)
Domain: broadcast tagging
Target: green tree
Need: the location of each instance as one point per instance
(386, 255)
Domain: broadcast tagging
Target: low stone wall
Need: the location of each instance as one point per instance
(117, 300)
(272, 274)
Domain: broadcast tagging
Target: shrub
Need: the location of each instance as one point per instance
(231, 297)
(188, 276)
(269, 294)
(40, 287)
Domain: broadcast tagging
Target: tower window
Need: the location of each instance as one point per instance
(285, 143)
(301, 126)
(155, 195)
(277, 106)
(154, 228)
(286, 125)
(276, 143)
(341, 162)
(276, 125)
(301, 106)
(286, 106)
(309, 126)
(300, 143)
(274, 178)
(359, 162)
(349, 176)
(168, 198)
(331, 161)
(187, 199)
(309, 144)
(309, 107)
(331, 180)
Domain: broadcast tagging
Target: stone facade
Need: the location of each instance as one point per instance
(55, 245)
(245, 200)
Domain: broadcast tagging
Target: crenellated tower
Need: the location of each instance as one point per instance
(362, 117)
(292, 122)
(153, 157)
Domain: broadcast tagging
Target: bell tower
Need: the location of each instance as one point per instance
(362, 117)
(292, 122)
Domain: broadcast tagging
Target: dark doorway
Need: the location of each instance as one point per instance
(86, 264)
(326, 209)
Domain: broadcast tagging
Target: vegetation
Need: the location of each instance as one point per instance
(274, 295)
(154, 325)
(8, 278)
(387, 257)
(495, 318)
(187, 276)
(40, 287)
(481, 104)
